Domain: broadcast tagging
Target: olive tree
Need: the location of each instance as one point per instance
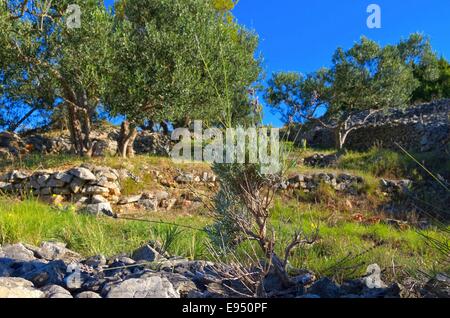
(176, 61)
(47, 63)
(366, 79)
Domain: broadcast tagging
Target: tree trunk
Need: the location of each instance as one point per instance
(128, 134)
(165, 128)
(79, 125)
(75, 130)
(341, 135)
(86, 114)
(86, 128)
(132, 138)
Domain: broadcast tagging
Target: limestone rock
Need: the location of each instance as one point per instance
(52, 251)
(96, 190)
(146, 253)
(48, 274)
(88, 294)
(76, 185)
(152, 286)
(17, 252)
(185, 178)
(129, 199)
(14, 287)
(373, 277)
(83, 174)
(55, 291)
(63, 176)
(98, 199)
(95, 261)
(99, 209)
(6, 187)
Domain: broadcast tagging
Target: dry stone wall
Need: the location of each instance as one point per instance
(104, 143)
(94, 187)
(420, 128)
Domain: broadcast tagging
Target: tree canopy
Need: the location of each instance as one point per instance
(45, 63)
(165, 60)
(433, 89)
(367, 77)
(179, 59)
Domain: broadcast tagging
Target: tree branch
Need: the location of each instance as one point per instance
(22, 11)
(297, 241)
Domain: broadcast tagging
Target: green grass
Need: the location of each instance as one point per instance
(136, 164)
(344, 249)
(37, 161)
(34, 222)
(394, 164)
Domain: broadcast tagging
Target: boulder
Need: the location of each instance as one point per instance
(14, 287)
(63, 176)
(393, 291)
(149, 204)
(96, 190)
(129, 199)
(62, 191)
(321, 160)
(99, 209)
(52, 273)
(151, 286)
(19, 176)
(53, 183)
(83, 174)
(6, 187)
(45, 191)
(17, 252)
(88, 294)
(98, 199)
(76, 185)
(55, 291)
(95, 261)
(325, 288)
(182, 285)
(74, 281)
(152, 143)
(42, 179)
(161, 195)
(5, 269)
(52, 251)
(185, 178)
(146, 253)
(102, 148)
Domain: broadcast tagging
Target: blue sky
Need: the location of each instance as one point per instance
(300, 35)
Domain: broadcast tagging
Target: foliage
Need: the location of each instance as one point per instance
(367, 77)
(46, 64)
(433, 89)
(176, 60)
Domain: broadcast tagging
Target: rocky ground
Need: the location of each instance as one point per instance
(53, 271)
